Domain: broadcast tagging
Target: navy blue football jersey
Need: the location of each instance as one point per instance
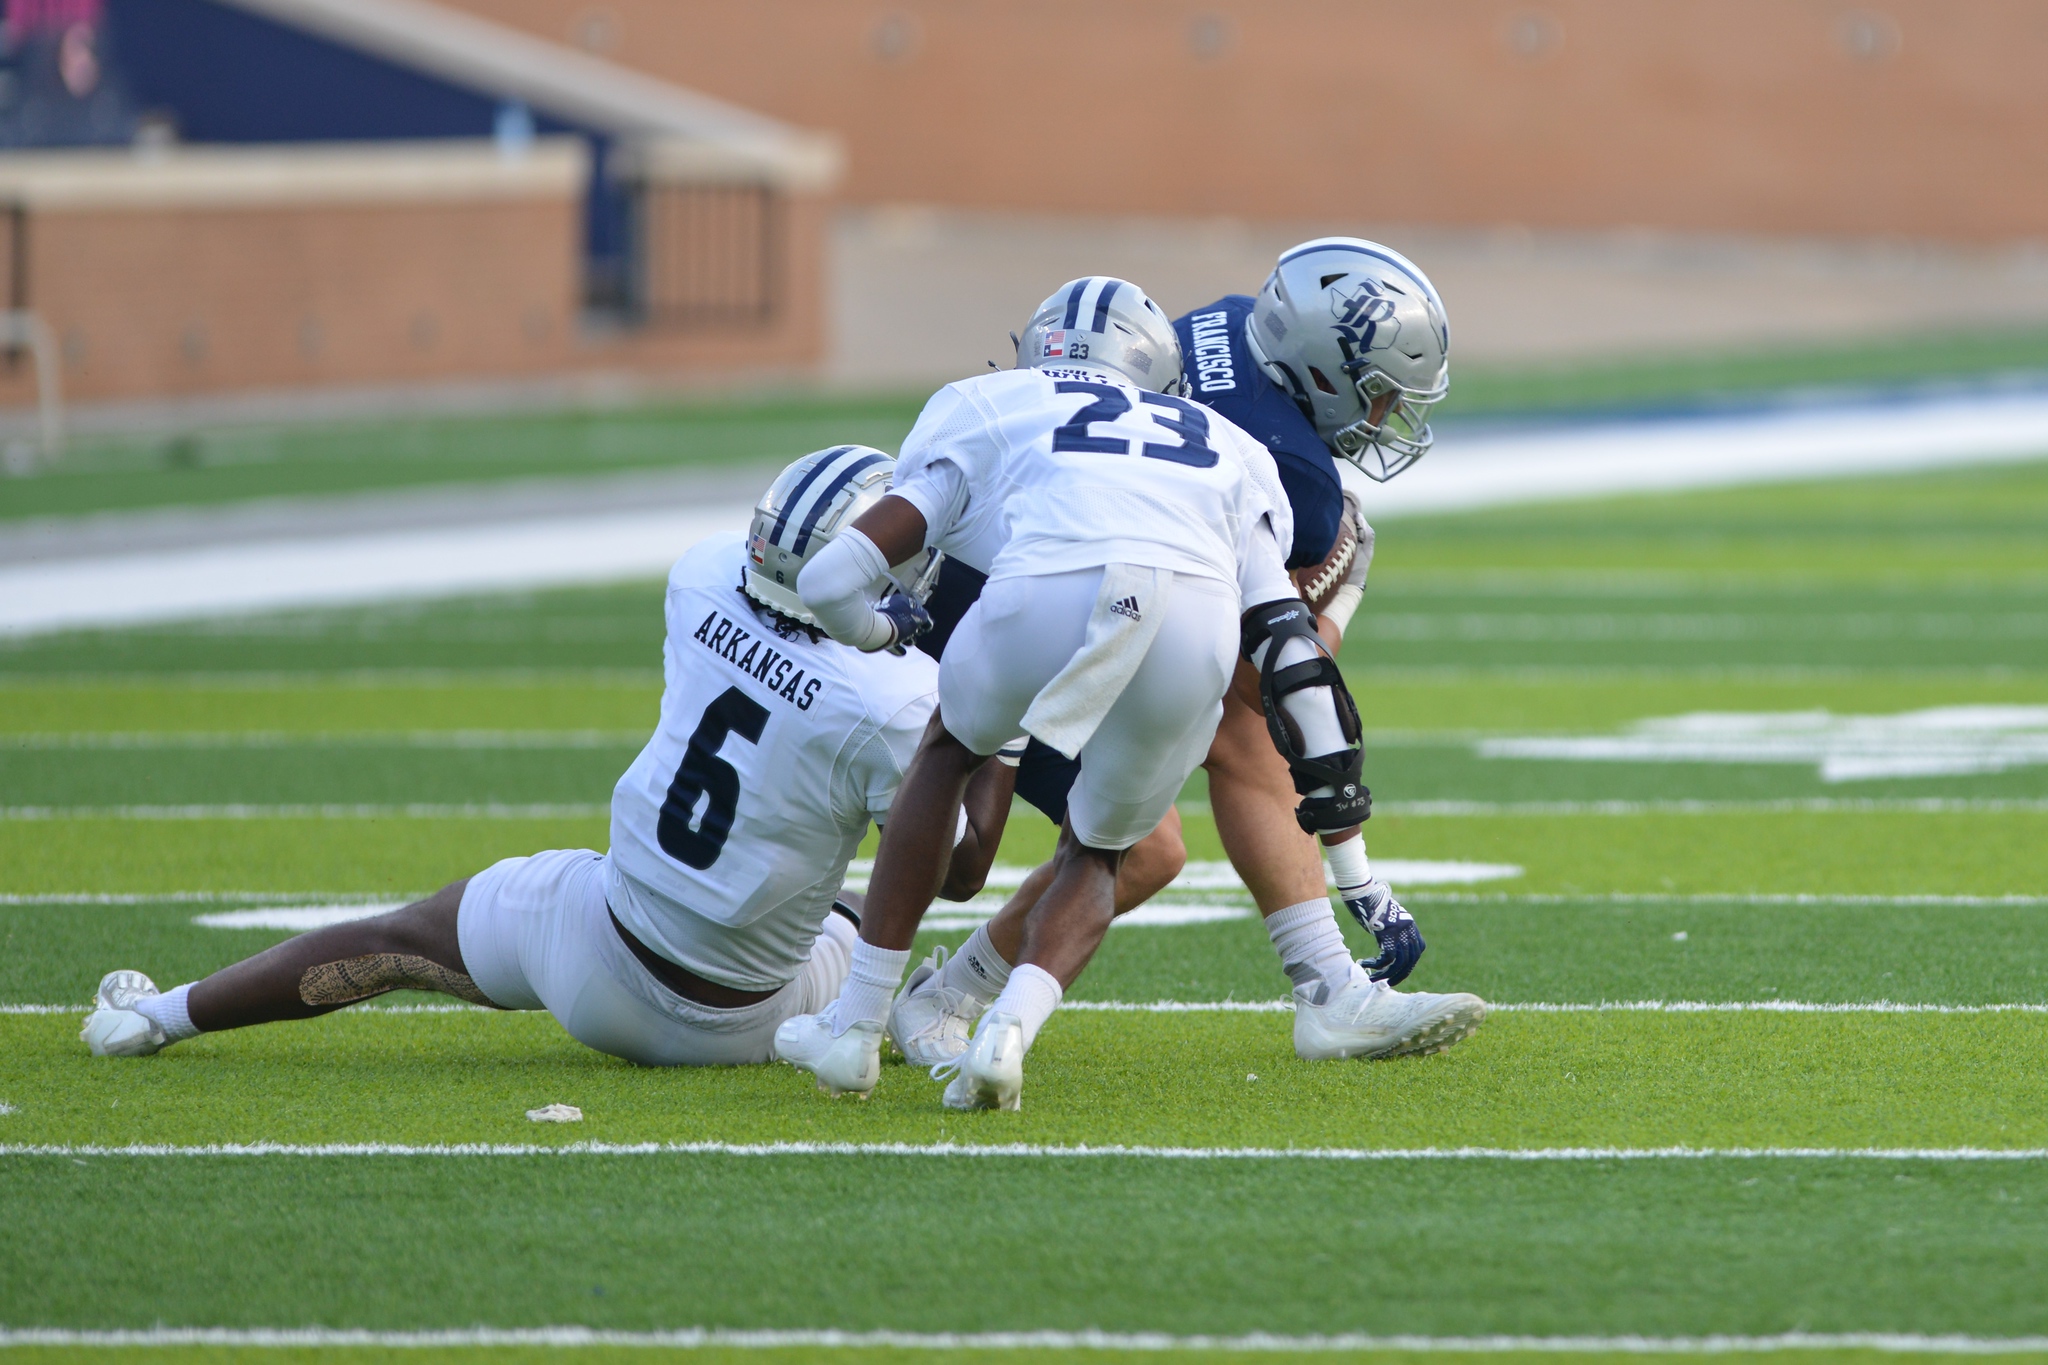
(1223, 375)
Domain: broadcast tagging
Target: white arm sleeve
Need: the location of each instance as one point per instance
(1262, 577)
(834, 585)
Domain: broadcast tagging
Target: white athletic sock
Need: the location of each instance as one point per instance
(168, 1012)
(1032, 995)
(1311, 947)
(1349, 870)
(977, 969)
(870, 985)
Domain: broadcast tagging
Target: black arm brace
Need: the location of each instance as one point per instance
(1351, 802)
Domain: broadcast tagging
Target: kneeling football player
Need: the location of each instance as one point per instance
(718, 912)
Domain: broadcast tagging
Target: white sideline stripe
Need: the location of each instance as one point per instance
(1819, 805)
(1287, 1007)
(257, 576)
(1025, 1150)
(689, 1338)
(545, 810)
(1483, 468)
(297, 918)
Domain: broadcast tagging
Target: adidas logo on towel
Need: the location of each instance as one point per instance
(1128, 607)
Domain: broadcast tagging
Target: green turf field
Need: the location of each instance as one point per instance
(1767, 1056)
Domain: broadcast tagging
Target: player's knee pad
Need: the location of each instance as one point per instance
(359, 978)
(1272, 625)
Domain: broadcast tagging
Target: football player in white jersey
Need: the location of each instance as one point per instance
(718, 912)
(1133, 546)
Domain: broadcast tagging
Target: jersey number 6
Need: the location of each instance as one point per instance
(704, 774)
(1184, 419)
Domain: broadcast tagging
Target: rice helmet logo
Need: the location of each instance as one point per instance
(1365, 317)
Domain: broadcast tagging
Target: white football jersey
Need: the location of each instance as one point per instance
(732, 830)
(1040, 471)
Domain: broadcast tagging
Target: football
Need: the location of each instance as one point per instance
(1318, 583)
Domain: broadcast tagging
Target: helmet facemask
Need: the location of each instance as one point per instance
(915, 577)
(1401, 437)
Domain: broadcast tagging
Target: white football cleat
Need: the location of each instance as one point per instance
(931, 1023)
(115, 1028)
(990, 1074)
(848, 1064)
(1367, 1018)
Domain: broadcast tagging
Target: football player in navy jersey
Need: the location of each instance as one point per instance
(1341, 355)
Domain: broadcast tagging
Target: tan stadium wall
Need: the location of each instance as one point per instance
(222, 269)
(1921, 118)
(181, 301)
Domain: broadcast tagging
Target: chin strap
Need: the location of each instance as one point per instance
(1333, 797)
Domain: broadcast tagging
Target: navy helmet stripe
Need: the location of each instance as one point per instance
(1074, 303)
(797, 494)
(829, 492)
(1109, 288)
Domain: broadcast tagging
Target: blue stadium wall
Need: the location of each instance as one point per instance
(218, 74)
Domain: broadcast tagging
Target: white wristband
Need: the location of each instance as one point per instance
(1343, 606)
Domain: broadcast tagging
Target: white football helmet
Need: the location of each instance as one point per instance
(1103, 323)
(806, 506)
(1343, 322)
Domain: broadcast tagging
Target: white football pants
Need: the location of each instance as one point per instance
(536, 934)
(1022, 632)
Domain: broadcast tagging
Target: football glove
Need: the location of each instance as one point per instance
(1392, 927)
(907, 617)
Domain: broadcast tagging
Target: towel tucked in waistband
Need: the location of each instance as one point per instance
(1128, 609)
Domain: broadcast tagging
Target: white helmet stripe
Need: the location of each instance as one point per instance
(1074, 302)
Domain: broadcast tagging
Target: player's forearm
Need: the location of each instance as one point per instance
(987, 808)
(834, 585)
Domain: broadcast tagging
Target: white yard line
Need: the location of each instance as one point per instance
(1287, 1007)
(1047, 1339)
(579, 810)
(1503, 898)
(1824, 805)
(1773, 900)
(1018, 1150)
(540, 810)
